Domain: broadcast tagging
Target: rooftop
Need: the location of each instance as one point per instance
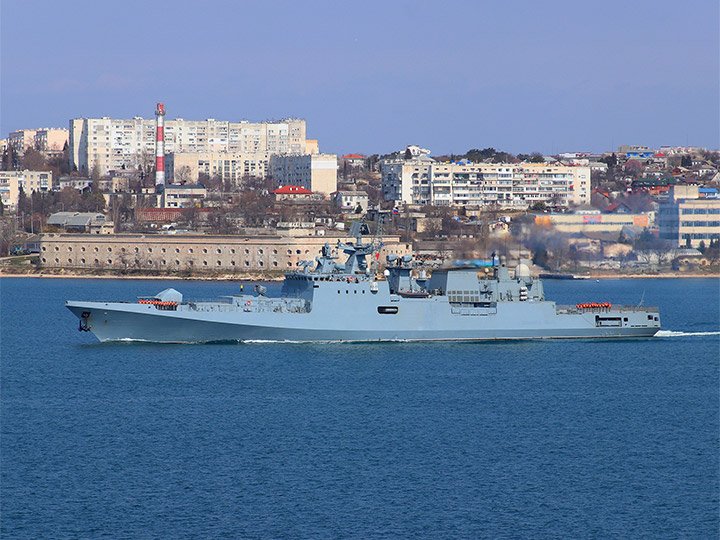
(297, 190)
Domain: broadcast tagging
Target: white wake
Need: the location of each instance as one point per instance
(672, 333)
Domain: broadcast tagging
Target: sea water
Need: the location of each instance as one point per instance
(536, 439)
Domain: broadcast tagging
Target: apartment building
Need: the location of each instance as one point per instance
(51, 139)
(11, 182)
(232, 166)
(424, 181)
(45, 139)
(687, 216)
(113, 143)
(21, 139)
(314, 172)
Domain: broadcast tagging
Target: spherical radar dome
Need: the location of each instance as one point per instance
(522, 270)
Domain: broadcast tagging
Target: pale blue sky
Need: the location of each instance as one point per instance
(369, 77)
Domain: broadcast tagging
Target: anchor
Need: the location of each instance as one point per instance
(83, 326)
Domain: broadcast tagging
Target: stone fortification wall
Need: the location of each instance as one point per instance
(190, 253)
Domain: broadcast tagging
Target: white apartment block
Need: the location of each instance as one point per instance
(11, 182)
(509, 185)
(116, 143)
(232, 166)
(314, 172)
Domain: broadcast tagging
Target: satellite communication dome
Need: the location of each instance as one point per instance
(522, 270)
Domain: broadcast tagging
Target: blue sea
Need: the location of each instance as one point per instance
(540, 439)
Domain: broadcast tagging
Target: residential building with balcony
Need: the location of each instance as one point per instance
(110, 143)
(11, 182)
(230, 166)
(424, 181)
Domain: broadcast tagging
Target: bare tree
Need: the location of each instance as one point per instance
(183, 175)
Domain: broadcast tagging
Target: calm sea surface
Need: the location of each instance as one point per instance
(558, 439)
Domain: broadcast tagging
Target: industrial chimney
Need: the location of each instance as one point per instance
(160, 149)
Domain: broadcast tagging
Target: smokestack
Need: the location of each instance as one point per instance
(160, 149)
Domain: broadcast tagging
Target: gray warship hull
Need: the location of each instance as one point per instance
(416, 319)
(346, 302)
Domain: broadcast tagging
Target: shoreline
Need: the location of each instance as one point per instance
(263, 277)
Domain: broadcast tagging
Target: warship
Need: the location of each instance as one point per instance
(327, 300)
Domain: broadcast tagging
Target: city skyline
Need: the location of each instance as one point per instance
(519, 77)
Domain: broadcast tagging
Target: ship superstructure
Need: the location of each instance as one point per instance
(328, 300)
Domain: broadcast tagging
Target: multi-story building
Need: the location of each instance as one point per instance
(424, 181)
(685, 216)
(315, 172)
(22, 139)
(11, 182)
(110, 143)
(230, 166)
(45, 139)
(51, 139)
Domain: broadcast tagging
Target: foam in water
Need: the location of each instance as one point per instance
(671, 333)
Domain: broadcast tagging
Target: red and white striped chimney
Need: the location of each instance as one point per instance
(160, 148)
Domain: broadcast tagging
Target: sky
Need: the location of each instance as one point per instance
(375, 76)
